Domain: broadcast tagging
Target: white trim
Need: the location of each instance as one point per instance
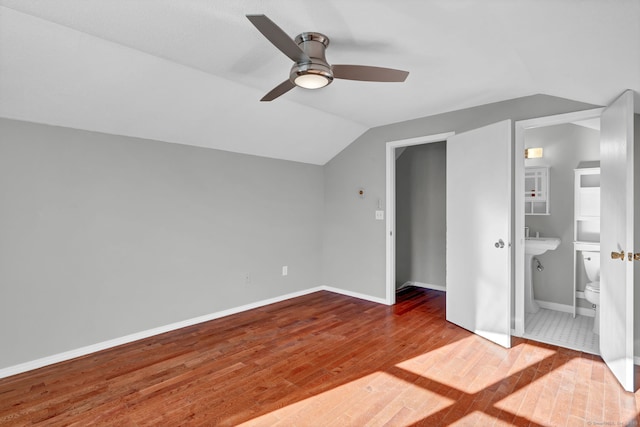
(390, 292)
(518, 237)
(585, 311)
(423, 285)
(560, 119)
(566, 308)
(354, 294)
(83, 351)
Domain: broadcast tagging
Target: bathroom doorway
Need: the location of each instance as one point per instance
(556, 311)
(617, 224)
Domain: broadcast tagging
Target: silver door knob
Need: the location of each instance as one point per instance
(499, 244)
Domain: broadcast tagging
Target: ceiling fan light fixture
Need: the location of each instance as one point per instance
(311, 75)
(311, 81)
(310, 67)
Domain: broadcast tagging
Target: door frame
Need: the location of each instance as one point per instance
(390, 294)
(518, 199)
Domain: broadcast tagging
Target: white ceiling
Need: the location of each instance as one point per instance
(193, 71)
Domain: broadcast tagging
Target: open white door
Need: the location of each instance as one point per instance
(478, 231)
(616, 231)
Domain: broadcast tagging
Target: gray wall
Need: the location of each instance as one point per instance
(353, 242)
(565, 147)
(103, 236)
(421, 215)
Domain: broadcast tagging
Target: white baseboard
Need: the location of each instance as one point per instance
(83, 351)
(584, 311)
(423, 285)
(354, 294)
(565, 308)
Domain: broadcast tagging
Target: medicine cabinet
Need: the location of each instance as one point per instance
(536, 190)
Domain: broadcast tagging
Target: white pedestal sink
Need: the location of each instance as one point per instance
(534, 246)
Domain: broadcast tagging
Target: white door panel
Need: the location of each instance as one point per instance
(616, 278)
(478, 231)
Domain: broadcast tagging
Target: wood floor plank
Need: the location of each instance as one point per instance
(323, 359)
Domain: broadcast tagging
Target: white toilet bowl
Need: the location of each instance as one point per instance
(592, 294)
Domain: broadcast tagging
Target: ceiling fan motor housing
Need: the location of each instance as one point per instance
(314, 45)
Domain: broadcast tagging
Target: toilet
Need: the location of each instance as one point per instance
(592, 290)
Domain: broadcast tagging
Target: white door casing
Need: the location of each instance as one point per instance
(616, 235)
(391, 148)
(478, 249)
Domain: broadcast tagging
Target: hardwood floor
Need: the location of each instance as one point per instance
(320, 360)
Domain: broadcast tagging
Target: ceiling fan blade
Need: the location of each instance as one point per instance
(281, 89)
(368, 74)
(278, 37)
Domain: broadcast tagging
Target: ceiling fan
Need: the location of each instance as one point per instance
(311, 69)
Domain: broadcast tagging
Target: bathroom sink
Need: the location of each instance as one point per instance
(534, 246)
(540, 245)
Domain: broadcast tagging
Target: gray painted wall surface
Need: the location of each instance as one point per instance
(565, 147)
(354, 242)
(103, 236)
(421, 214)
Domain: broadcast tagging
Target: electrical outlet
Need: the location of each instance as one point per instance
(379, 215)
(285, 270)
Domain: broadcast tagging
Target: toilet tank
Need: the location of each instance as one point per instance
(592, 265)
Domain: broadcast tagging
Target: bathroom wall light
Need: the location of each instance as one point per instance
(533, 153)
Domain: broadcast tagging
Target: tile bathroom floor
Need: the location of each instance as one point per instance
(562, 329)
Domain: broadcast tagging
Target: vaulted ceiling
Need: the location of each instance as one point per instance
(193, 71)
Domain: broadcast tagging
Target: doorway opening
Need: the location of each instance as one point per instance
(550, 302)
(406, 240)
(421, 201)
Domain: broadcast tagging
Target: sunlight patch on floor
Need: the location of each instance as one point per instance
(545, 400)
(477, 418)
(523, 402)
(368, 396)
(471, 364)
